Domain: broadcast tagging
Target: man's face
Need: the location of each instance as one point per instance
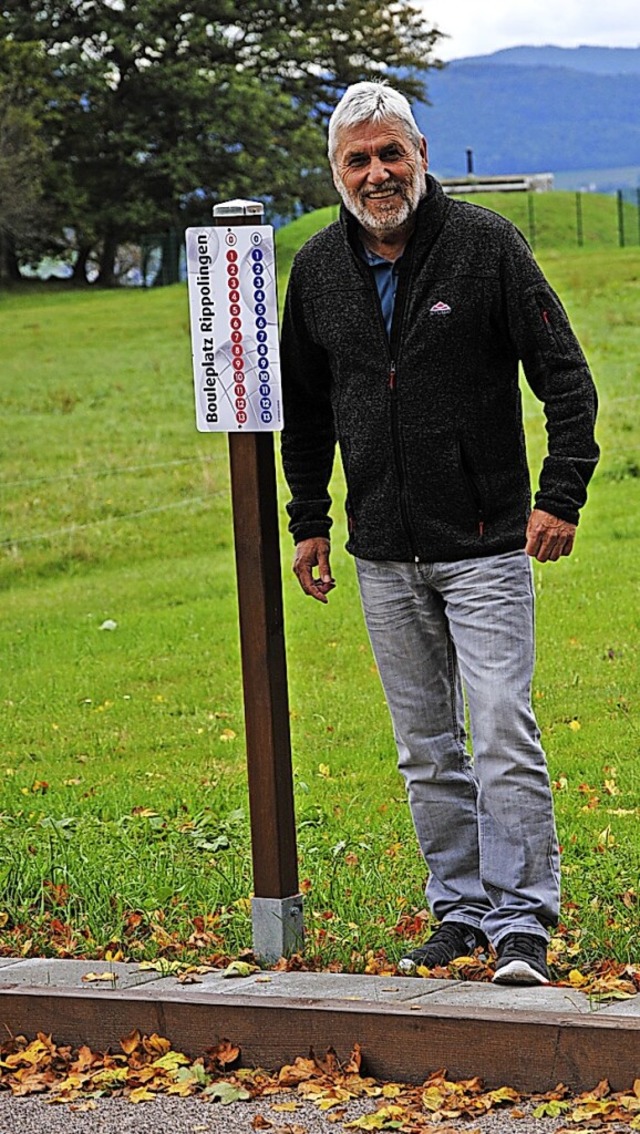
(380, 174)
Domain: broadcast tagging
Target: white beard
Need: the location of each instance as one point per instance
(389, 217)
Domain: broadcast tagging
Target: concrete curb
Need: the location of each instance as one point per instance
(528, 1038)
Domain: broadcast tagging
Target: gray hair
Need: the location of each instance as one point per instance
(371, 102)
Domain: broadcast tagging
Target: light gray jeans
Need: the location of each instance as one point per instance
(485, 825)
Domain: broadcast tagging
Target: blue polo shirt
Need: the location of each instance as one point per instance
(385, 273)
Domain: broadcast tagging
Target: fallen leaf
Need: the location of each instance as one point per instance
(131, 1042)
(239, 969)
(225, 1093)
(141, 1094)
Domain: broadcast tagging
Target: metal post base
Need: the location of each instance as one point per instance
(278, 927)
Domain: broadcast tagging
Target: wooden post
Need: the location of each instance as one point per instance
(532, 218)
(620, 199)
(277, 905)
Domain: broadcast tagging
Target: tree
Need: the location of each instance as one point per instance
(163, 107)
(22, 151)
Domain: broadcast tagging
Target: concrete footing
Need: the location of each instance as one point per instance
(278, 927)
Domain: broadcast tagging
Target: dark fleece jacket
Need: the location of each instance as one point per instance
(430, 423)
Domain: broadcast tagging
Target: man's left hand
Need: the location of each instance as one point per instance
(548, 537)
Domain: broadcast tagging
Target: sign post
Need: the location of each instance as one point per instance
(234, 324)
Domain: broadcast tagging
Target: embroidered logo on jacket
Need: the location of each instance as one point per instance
(440, 308)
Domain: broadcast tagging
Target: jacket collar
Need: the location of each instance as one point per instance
(430, 216)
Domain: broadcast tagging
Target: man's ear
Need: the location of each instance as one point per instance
(424, 153)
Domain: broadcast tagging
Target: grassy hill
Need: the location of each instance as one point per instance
(548, 220)
(123, 804)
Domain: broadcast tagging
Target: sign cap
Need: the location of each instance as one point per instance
(238, 208)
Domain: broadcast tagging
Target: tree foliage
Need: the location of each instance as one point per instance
(23, 94)
(161, 107)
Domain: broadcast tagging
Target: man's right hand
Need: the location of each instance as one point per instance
(312, 553)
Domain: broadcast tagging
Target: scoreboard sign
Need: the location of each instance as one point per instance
(234, 328)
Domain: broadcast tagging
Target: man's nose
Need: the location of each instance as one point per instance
(378, 174)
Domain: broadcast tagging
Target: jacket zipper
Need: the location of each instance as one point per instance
(392, 382)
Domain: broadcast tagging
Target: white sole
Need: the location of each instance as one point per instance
(519, 972)
(407, 968)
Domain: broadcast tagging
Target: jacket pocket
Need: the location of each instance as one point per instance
(472, 487)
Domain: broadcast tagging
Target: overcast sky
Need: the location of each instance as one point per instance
(478, 28)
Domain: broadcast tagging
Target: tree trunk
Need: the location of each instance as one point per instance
(107, 274)
(9, 266)
(80, 266)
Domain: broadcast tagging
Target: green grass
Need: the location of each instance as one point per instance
(555, 223)
(550, 220)
(123, 803)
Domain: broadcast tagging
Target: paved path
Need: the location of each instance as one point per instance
(528, 1038)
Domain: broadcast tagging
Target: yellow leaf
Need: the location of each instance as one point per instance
(239, 969)
(141, 1094)
(183, 1087)
(170, 1061)
(109, 1076)
(503, 1094)
(576, 979)
(432, 1098)
(287, 1107)
(575, 726)
(379, 1120)
(324, 771)
(90, 978)
(227, 734)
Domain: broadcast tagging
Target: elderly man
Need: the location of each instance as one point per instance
(404, 326)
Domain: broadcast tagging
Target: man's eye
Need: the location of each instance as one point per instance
(356, 159)
(392, 154)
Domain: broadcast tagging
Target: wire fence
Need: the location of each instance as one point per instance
(556, 219)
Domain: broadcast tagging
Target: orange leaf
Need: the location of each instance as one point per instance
(224, 1053)
(156, 1045)
(131, 1042)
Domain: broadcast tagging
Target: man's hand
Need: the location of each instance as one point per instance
(548, 537)
(312, 553)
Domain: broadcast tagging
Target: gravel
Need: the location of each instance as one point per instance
(167, 1115)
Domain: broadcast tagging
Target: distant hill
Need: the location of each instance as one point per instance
(525, 110)
(595, 60)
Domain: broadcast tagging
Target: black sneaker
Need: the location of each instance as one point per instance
(522, 959)
(450, 940)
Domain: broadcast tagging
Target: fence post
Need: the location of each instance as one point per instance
(579, 228)
(620, 197)
(532, 218)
